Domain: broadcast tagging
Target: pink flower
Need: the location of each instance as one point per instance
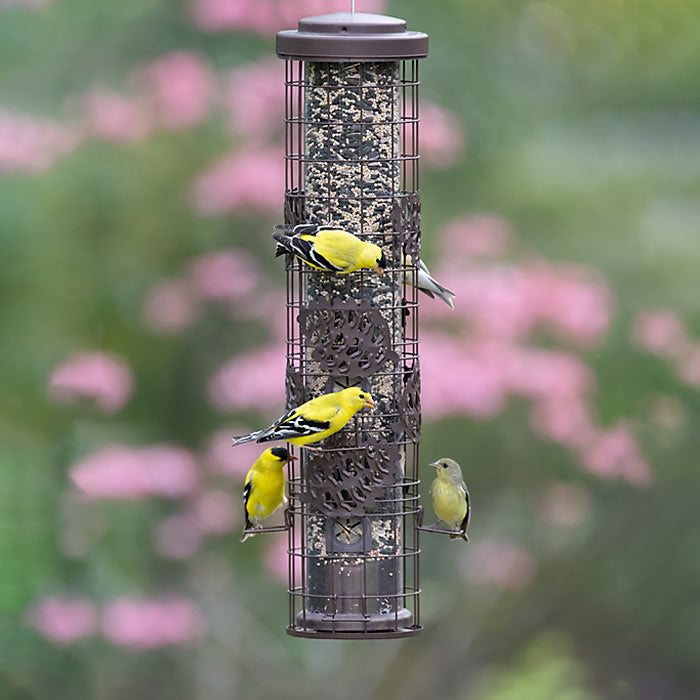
(127, 473)
(215, 511)
(177, 537)
(147, 624)
(255, 98)
(252, 180)
(473, 384)
(441, 136)
(615, 453)
(221, 457)
(226, 275)
(95, 376)
(475, 235)
(33, 145)
(266, 16)
(170, 307)
(113, 117)
(182, 87)
(277, 557)
(498, 563)
(254, 380)
(566, 505)
(566, 420)
(659, 331)
(63, 620)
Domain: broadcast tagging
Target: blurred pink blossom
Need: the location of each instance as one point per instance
(181, 86)
(95, 376)
(29, 144)
(221, 457)
(441, 136)
(267, 16)
(498, 563)
(215, 511)
(475, 235)
(572, 299)
(614, 454)
(170, 307)
(147, 624)
(277, 557)
(566, 420)
(564, 504)
(250, 179)
(659, 331)
(126, 473)
(177, 537)
(114, 117)
(254, 380)
(63, 620)
(225, 275)
(255, 98)
(455, 379)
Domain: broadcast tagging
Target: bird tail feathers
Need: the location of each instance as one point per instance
(241, 439)
(460, 535)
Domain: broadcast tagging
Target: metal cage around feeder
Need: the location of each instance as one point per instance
(351, 150)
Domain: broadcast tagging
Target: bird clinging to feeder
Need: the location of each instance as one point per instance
(451, 497)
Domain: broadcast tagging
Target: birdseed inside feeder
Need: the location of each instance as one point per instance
(351, 151)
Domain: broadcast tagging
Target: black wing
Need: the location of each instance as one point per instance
(246, 495)
(304, 249)
(293, 426)
(465, 523)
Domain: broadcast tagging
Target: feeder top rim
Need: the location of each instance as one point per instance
(358, 36)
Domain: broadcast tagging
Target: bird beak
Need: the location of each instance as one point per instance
(435, 464)
(292, 458)
(370, 404)
(380, 270)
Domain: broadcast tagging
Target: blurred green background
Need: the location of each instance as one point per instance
(574, 126)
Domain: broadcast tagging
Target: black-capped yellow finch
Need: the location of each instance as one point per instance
(264, 487)
(329, 248)
(314, 420)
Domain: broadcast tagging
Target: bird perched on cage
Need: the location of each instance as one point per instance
(428, 284)
(264, 487)
(329, 248)
(451, 497)
(314, 420)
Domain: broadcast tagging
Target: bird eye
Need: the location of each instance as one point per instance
(362, 396)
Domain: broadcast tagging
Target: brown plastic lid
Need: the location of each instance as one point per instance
(351, 36)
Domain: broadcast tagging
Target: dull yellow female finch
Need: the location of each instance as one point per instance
(451, 497)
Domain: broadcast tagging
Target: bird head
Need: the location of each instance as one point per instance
(358, 398)
(282, 454)
(374, 258)
(448, 469)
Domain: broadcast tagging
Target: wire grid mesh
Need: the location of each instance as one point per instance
(351, 136)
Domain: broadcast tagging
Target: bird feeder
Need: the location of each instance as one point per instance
(351, 151)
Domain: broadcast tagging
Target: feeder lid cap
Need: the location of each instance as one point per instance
(351, 36)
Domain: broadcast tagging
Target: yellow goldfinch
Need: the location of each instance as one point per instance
(329, 249)
(314, 420)
(450, 497)
(429, 285)
(264, 487)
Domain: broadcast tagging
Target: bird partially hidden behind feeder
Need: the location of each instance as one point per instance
(451, 497)
(263, 492)
(314, 420)
(329, 248)
(428, 284)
